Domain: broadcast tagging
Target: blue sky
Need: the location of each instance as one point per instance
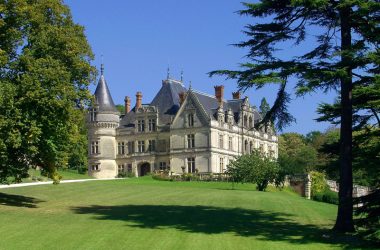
(140, 39)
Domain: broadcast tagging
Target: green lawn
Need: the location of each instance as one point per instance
(148, 214)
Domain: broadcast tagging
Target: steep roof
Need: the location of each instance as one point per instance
(103, 96)
(167, 100)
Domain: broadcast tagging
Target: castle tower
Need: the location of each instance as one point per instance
(102, 121)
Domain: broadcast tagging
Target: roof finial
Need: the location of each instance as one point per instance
(168, 74)
(182, 75)
(101, 66)
(190, 88)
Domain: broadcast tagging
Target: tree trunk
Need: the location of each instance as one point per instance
(344, 221)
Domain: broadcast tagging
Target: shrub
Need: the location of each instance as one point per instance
(254, 168)
(327, 196)
(125, 175)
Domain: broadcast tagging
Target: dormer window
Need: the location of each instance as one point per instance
(190, 120)
(140, 125)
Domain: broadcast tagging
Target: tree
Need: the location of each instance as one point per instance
(344, 57)
(264, 107)
(254, 168)
(44, 76)
(295, 156)
(120, 108)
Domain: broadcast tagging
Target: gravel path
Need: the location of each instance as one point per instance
(51, 182)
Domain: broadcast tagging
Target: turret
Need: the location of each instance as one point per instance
(103, 119)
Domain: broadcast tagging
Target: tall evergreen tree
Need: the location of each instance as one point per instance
(345, 56)
(44, 76)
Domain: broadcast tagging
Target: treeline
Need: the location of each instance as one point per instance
(319, 151)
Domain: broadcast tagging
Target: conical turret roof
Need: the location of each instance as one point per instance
(103, 96)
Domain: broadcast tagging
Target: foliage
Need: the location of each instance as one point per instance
(295, 156)
(326, 196)
(254, 168)
(120, 108)
(344, 58)
(318, 182)
(125, 175)
(369, 214)
(44, 74)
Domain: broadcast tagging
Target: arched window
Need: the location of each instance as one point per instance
(250, 147)
(250, 122)
(246, 146)
(245, 121)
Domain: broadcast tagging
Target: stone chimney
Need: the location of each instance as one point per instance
(138, 100)
(219, 93)
(127, 104)
(236, 95)
(182, 96)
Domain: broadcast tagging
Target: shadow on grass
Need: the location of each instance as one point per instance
(263, 225)
(18, 200)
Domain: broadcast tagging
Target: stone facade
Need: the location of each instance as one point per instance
(181, 130)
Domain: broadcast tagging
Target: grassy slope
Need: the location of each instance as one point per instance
(146, 214)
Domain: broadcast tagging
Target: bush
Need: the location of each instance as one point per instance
(318, 182)
(125, 175)
(254, 168)
(327, 196)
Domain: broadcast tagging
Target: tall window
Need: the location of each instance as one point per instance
(152, 145)
(131, 147)
(221, 141)
(120, 168)
(141, 146)
(190, 120)
(140, 125)
(230, 143)
(221, 165)
(152, 125)
(191, 165)
(121, 148)
(190, 141)
(95, 147)
(129, 168)
(93, 114)
(163, 165)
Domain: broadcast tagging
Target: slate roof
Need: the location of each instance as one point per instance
(103, 97)
(167, 103)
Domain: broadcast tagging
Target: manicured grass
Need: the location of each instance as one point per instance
(148, 214)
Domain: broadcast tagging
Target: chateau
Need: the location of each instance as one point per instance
(180, 130)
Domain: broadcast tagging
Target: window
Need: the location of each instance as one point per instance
(163, 165)
(190, 141)
(129, 168)
(190, 120)
(230, 143)
(131, 147)
(95, 167)
(221, 141)
(140, 125)
(152, 125)
(152, 145)
(191, 165)
(120, 148)
(93, 114)
(95, 147)
(120, 168)
(141, 146)
(221, 165)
